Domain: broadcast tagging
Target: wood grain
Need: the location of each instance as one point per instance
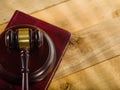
(92, 59)
(103, 76)
(75, 15)
(91, 46)
(7, 7)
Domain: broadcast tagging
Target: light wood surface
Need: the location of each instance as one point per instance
(91, 46)
(75, 15)
(7, 7)
(92, 59)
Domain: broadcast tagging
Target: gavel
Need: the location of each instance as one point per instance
(24, 39)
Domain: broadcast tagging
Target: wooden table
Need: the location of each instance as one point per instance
(92, 59)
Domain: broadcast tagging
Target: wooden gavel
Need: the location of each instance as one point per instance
(24, 39)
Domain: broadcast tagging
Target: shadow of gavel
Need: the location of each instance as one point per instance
(24, 39)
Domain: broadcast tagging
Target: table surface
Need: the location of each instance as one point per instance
(92, 59)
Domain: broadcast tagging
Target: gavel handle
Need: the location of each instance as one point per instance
(25, 70)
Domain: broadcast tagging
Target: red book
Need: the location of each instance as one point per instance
(10, 61)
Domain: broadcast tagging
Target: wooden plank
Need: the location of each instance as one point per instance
(92, 60)
(7, 7)
(75, 15)
(104, 76)
(91, 46)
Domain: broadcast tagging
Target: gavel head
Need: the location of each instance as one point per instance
(23, 38)
(26, 38)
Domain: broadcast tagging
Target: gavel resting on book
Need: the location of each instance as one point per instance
(25, 39)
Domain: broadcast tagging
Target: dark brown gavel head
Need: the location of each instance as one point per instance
(24, 38)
